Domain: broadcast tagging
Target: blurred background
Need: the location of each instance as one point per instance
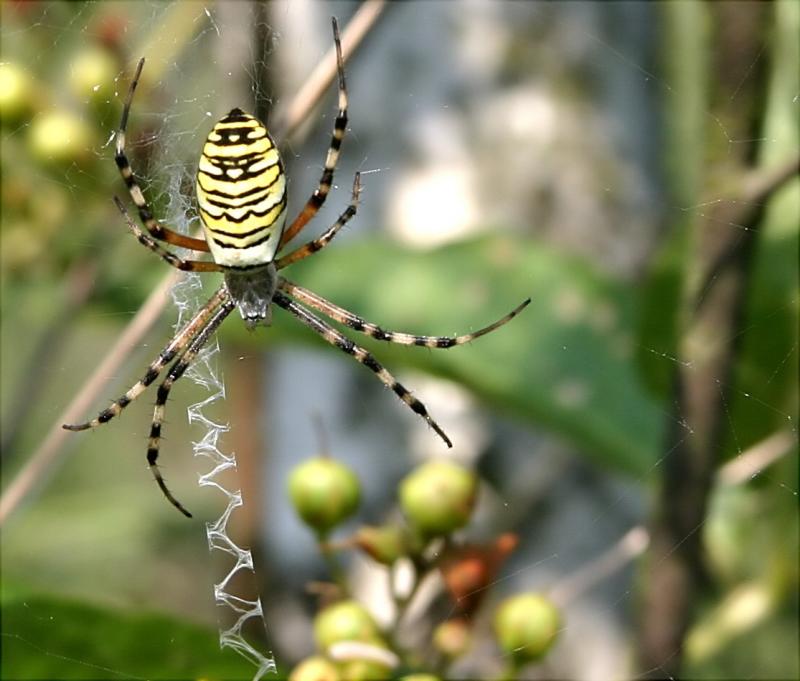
(631, 167)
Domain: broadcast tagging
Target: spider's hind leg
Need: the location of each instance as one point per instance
(172, 350)
(362, 356)
(356, 323)
(176, 371)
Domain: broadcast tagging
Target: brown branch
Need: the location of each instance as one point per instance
(46, 455)
(719, 275)
(288, 118)
(744, 210)
(78, 281)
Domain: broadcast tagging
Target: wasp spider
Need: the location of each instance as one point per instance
(241, 194)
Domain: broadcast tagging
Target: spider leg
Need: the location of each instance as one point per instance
(361, 355)
(339, 126)
(356, 323)
(317, 244)
(158, 249)
(151, 224)
(175, 346)
(176, 371)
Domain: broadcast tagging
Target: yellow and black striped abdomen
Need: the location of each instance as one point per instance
(241, 192)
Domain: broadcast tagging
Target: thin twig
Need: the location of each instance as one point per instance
(49, 450)
(288, 118)
(755, 459)
(78, 282)
(762, 183)
(632, 545)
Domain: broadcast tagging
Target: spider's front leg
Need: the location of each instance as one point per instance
(152, 225)
(331, 159)
(324, 239)
(166, 255)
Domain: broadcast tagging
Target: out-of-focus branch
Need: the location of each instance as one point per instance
(749, 464)
(78, 284)
(755, 459)
(755, 188)
(708, 351)
(45, 456)
(288, 118)
(723, 241)
(48, 452)
(620, 554)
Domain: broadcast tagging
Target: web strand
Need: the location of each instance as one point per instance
(186, 294)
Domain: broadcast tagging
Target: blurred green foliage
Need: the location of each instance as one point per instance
(54, 643)
(564, 363)
(591, 359)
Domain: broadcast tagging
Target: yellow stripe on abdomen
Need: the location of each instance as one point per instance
(241, 192)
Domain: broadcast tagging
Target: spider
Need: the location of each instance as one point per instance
(241, 195)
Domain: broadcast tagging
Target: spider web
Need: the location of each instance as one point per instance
(187, 295)
(204, 372)
(181, 120)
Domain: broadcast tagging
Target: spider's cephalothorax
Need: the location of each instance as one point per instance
(241, 195)
(252, 290)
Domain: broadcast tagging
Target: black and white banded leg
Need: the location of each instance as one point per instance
(356, 323)
(176, 371)
(341, 341)
(163, 253)
(318, 244)
(156, 230)
(339, 127)
(181, 340)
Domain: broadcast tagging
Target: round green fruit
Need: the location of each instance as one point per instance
(438, 497)
(324, 492)
(345, 621)
(526, 626)
(59, 136)
(316, 668)
(16, 93)
(92, 74)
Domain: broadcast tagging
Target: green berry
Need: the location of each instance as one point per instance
(438, 497)
(92, 74)
(324, 492)
(345, 621)
(526, 626)
(316, 668)
(363, 670)
(60, 137)
(452, 638)
(16, 93)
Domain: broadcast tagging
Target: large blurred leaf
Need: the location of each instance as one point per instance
(48, 637)
(564, 363)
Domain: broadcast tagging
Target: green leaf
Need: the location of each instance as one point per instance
(46, 636)
(564, 363)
